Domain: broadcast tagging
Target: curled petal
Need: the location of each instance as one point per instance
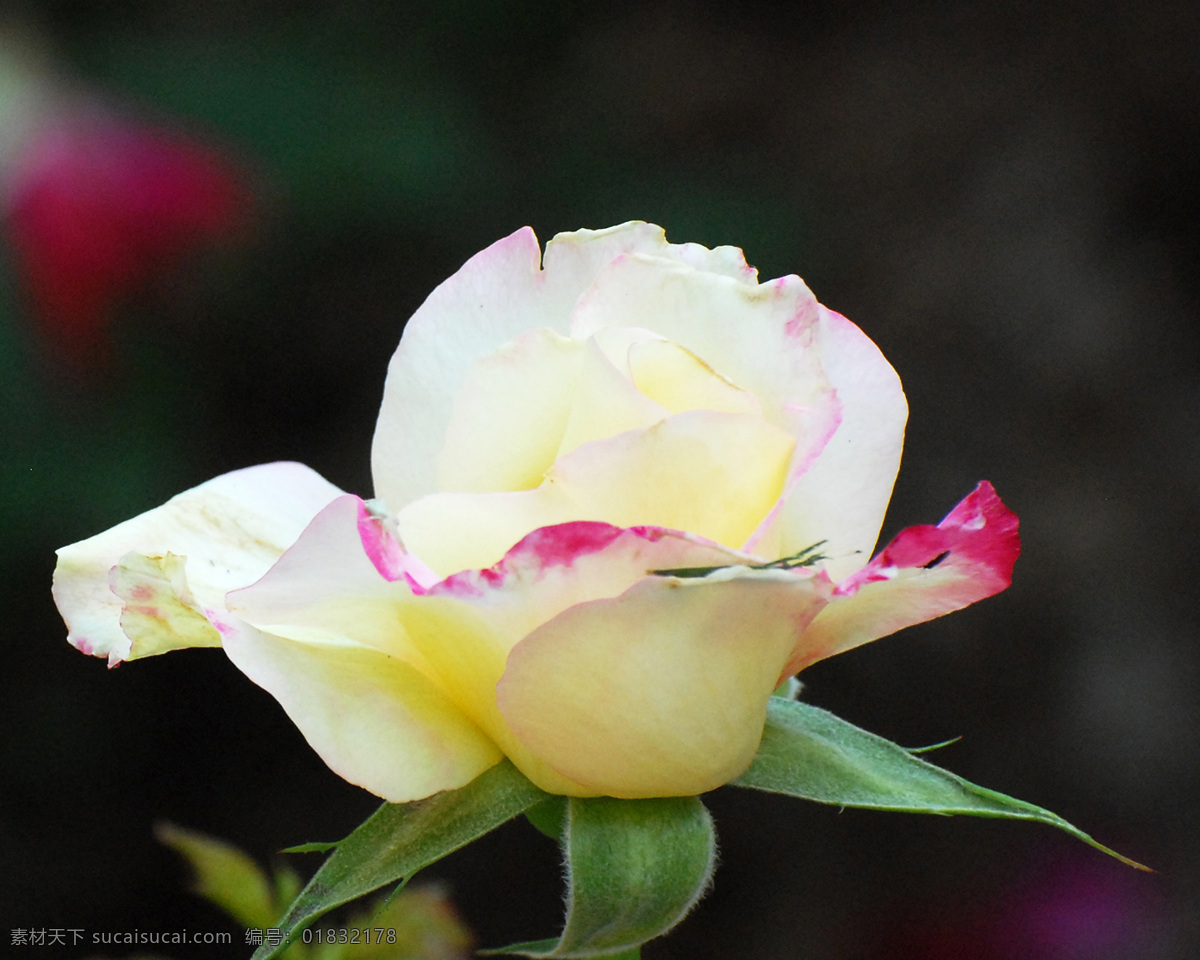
(175, 563)
(329, 587)
(375, 720)
(663, 690)
(815, 374)
(159, 612)
(510, 415)
(842, 495)
(467, 625)
(923, 573)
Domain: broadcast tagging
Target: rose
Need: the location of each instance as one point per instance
(594, 467)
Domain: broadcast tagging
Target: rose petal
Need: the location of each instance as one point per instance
(228, 530)
(923, 573)
(325, 588)
(816, 375)
(842, 496)
(464, 622)
(738, 330)
(712, 474)
(510, 415)
(159, 613)
(324, 599)
(499, 294)
(605, 403)
(574, 259)
(375, 720)
(663, 690)
(323, 633)
(494, 297)
(679, 380)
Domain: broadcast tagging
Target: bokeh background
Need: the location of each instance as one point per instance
(1005, 196)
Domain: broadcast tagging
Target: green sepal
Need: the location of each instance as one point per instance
(810, 753)
(401, 838)
(315, 846)
(634, 870)
(549, 817)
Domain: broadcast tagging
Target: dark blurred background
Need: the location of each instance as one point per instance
(1005, 197)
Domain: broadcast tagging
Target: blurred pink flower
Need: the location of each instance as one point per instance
(97, 207)
(1071, 910)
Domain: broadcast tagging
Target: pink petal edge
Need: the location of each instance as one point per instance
(561, 544)
(385, 552)
(980, 532)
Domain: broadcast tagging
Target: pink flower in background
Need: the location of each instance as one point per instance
(98, 206)
(1071, 909)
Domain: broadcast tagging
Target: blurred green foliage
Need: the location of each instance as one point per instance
(415, 923)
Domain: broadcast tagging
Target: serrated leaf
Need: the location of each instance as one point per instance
(634, 870)
(400, 839)
(810, 753)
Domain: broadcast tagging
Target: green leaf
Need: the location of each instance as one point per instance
(400, 839)
(224, 875)
(808, 752)
(418, 923)
(634, 870)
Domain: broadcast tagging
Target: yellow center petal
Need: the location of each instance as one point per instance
(679, 380)
(712, 474)
(510, 415)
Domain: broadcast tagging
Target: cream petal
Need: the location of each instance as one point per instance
(555, 567)
(574, 259)
(466, 625)
(330, 597)
(187, 554)
(816, 375)
(923, 573)
(663, 690)
(679, 380)
(496, 296)
(738, 330)
(469, 531)
(158, 612)
(605, 403)
(843, 495)
(375, 720)
(511, 414)
(712, 474)
(324, 631)
(328, 587)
